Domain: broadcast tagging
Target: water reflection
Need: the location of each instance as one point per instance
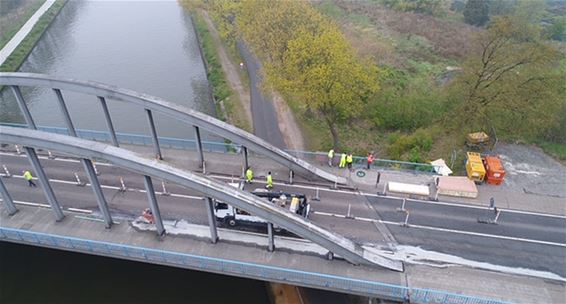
(148, 47)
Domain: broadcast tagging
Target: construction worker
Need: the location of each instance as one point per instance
(342, 160)
(330, 157)
(349, 161)
(269, 181)
(370, 159)
(29, 178)
(249, 175)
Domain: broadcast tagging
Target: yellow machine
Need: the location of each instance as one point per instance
(474, 167)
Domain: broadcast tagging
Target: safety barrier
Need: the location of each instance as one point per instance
(211, 146)
(257, 271)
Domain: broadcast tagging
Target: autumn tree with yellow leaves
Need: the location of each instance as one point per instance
(305, 57)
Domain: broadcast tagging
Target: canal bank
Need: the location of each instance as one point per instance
(21, 44)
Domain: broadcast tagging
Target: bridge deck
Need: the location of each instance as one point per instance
(77, 226)
(123, 241)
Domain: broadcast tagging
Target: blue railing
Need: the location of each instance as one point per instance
(210, 146)
(258, 271)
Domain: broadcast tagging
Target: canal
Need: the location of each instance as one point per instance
(146, 46)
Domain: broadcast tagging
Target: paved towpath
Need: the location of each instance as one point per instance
(11, 46)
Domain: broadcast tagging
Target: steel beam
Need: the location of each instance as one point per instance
(271, 243)
(260, 207)
(153, 205)
(154, 134)
(209, 203)
(108, 121)
(65, 112)
(23, 107)
(245, 154)
(199, 147)
(44, 181)
(95, 184)
(175, 111)
(7, 199)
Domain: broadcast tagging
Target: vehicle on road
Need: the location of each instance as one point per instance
(232, 216)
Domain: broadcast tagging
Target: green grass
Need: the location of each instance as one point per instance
(555, 150)
(13, 28)
(22, 51)
(220, 87)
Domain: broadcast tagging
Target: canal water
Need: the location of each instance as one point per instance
(146, 46)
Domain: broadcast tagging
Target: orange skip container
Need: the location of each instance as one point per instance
(494, 170)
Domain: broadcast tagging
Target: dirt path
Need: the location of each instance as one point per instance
(230, 70)
(288, 124)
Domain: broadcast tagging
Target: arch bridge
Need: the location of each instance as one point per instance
(88, 150)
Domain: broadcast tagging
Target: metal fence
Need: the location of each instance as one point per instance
(210, 146)
(257, 271)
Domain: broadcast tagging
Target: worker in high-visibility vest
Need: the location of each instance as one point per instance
(29, 178)
(330, 157)
(249, 175)
(342, 160)
(370, 159)
(269, 181)
(349, 161)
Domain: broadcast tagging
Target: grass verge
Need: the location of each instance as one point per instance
(226, 101)
(14, 27)
(15, 60)
(555, 150)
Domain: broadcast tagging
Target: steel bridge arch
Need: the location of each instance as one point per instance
(132, 161)
(178, 112)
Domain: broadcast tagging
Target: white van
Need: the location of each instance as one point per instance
(232, 216)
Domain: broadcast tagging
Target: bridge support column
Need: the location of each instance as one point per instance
(102, 204)
(199, 147)
(65, 112)
(153, 205)
(44, 181)
(87, 164)
(23, 107)
(7, 199)
(271, 241)
(211, 219)
(108, 121)
(154, 134)
(245, 154)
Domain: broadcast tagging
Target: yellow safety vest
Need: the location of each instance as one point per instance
(331, 154)
(249, 174)
(28, 176)
(349, 159)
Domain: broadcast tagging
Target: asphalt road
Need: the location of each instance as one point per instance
(522, 240)
(263, 112)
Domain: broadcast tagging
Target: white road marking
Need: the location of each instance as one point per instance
(446, 230)
(80, 210)
(314, 188)
(116, 188)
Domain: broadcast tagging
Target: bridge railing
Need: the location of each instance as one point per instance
(257, 271)
(211, 146)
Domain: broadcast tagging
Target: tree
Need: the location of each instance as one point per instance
(512, 83)
(476, 12)
(322, 69)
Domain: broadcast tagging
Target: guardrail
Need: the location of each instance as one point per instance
(211, 146)
(257, 271)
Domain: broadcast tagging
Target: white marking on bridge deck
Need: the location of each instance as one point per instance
(445, 230)
(310, 188)
(60, 181)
